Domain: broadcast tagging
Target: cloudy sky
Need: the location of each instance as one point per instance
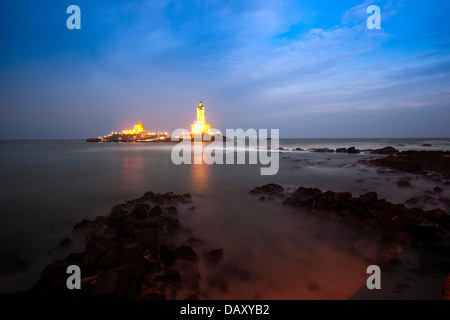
(308, 68)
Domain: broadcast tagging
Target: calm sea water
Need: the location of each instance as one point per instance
(47, 187)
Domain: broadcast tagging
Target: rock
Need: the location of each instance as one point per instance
(342, 150)
(110, 259)
(132, 252)
(403, 184)
(353, 150)
(94, 252)
(147, 239)
(169, 276)
(155, 211)
(417, 162)
(299, 149)
(186, 253)
(111, 286)
(167, 255)
(386, 150)
(436, 216)
(321, 150)
(195, 242)
(171, 210)
(368, 198)
(426, 233)
(141, 210)
(214, 255)
(271, 189)
(437, 189)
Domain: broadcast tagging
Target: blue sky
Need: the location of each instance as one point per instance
(308, 68)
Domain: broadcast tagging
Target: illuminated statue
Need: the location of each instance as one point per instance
(200, 126)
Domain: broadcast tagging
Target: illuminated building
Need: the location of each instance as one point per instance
(200, 126)
(138, 129)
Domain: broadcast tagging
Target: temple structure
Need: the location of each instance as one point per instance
(200, 126)
(138, 129)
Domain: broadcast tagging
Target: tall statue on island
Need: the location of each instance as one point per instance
(200, 126)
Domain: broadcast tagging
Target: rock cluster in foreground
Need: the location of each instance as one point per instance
(130, 254)
(395, 223)
(417, 162)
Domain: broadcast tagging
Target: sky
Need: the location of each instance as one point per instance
(311, 69)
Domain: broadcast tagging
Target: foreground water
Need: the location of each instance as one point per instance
(270, 252)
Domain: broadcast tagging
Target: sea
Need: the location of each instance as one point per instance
(270, 251)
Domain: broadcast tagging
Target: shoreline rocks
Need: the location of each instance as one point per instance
(416, 162)
(394, 224)
(129, 254)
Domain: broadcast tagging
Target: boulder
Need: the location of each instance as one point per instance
(146, 238)
(167, 254)
(141, 210)
(403, 184)
(186, 253)
(156, 211)
(132, 252)
(353, 150)
(386, 150)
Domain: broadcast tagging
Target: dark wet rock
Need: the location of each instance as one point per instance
(169, 224)
(342, 150)
(155, 211)
(436, 216)
(94, 251)
(417, 162)
(167, 254)
(299, 149)
(321, 150)
(353, 150)
(437, 189)
(386, 150)
(141, 210)
(146, 238)
(169, 276)
(171, 210)
(110, 259)
(186, 253)
(368, 198)
(403, 184)
(84, 224)
(123, 250)
(11, 263)
(262, 198)
(132, 252)
(195, 242)
(214, 255)
(271, 189)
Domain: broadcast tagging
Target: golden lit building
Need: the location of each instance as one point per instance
(200, 126)
(138, 129)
